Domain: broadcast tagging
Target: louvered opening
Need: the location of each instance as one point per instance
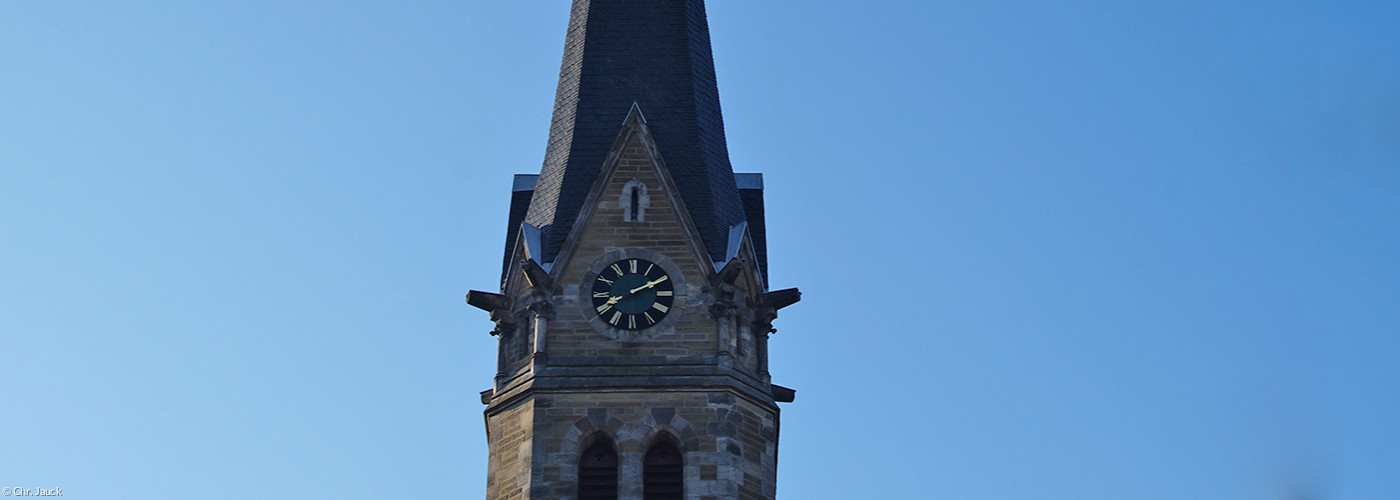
(597, 473)
(664, 473)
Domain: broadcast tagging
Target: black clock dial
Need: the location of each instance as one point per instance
(632, 294)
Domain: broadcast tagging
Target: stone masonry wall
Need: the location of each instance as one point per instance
(659, 231)
(511, 435)
(729, 444)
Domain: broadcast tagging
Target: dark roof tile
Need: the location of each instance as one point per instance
(655, 53)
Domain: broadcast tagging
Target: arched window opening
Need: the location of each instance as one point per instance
(634, 201)
(663, 473)
(597, 473)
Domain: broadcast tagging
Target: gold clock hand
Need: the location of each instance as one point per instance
(613, 300)
(648, 285)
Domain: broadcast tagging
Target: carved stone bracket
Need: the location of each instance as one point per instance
(765, 311)
(498, 306)
(540, 305)
(763, 321)
(505, 323)
(724, 305)
(768, 305)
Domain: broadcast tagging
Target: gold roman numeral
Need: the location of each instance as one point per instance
(632, 321)
(648, 273)
(664, 293)
(604, 308)
(617, 316)
(604, 280)
(658, 306)
(617, 269)
(633, 263)
(602, 295)
(648, 317)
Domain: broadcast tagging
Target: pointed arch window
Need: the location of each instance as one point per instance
(663, 473)
(597, 472)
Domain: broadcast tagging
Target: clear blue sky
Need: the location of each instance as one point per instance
(1088, 250)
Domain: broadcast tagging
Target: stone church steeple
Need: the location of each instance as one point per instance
(634, 311)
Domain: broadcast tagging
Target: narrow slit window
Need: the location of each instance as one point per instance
(636, 202)
(597, 473)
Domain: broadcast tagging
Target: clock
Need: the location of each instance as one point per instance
(633, 294)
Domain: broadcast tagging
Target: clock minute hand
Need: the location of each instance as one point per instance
(648, 285)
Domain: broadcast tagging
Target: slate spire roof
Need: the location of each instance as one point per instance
(656, 54)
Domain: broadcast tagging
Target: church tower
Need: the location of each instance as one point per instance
(634, 310)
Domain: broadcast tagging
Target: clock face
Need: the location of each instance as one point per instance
(632, 294)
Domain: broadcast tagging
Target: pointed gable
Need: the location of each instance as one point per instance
(663, 225)
(655, 53)
(633, 211)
